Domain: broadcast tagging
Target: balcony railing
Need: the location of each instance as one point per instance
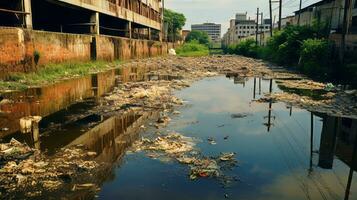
(110, 6)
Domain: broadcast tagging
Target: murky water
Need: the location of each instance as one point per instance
(283, 152)
(275, 159)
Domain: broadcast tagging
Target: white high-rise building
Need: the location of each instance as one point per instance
(213, 30)
(242, 27)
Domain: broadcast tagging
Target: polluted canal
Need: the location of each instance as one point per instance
(271, 158)
(219, 138)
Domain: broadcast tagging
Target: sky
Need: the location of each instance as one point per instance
(221, 11)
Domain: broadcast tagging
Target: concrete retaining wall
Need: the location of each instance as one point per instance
(18, 47)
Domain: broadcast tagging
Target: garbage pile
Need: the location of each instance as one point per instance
(26, 172)
(176, 147)
(147, 96)
(14, 151)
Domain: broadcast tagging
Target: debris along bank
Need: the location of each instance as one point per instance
(74, 168)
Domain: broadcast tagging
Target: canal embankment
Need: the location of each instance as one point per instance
(25, 50)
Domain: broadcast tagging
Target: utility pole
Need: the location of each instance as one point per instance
(345, 26)
(256, 31)
(271, 19)
(269, 124)
(261, 28)
(163, 33)
(280, 5)
(299, 12)
(352, 167)
(254, 90)
(311, 138)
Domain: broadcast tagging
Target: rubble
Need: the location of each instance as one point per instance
(24, 170)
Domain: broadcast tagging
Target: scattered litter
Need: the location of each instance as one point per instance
(33, 170)
(329, 87)
(211, 141)
(174, 146)
(91, 153)
(85, 186)
(239, 115)
(4, 129)
(227, 156)
(172, 52)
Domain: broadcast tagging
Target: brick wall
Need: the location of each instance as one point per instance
(117, 48)
(17, 47)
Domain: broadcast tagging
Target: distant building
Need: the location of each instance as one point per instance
(242, 27)
(213, 30)
(288, 20)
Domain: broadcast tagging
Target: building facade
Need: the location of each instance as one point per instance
(126, 18)
(242, 27)
(213, 30)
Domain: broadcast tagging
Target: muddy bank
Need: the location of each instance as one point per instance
(146, 86)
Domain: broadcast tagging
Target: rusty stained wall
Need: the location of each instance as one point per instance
(117, 48)
(17, 47)
(13, 51)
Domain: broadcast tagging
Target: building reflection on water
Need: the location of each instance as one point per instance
(338, 136)
(338, 139)
(111, 136)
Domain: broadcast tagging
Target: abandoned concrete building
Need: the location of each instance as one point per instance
(78, 30)
(126, 18)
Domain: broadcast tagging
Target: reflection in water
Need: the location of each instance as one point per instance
(276, 147)
(112, 136)
(278, 165)
(338, 138)
(50, 99)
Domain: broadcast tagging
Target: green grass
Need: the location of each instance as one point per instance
(192, 49)
(52, 73)
(194, 53)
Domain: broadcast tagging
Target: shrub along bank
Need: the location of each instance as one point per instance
(304, 47)
(192, 48)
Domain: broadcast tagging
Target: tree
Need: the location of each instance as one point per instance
(174, 21)
(200, 36)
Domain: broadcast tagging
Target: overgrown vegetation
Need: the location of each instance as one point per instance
(52, 73)
(315, 57)
(192, 48)
(200, 36)
(244, 48)
(174, 22)
(303, 47)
